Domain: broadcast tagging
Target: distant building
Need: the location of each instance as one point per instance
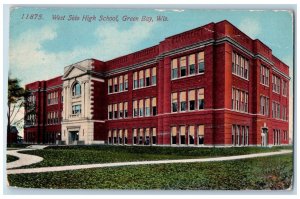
(12, 136)
(210, 86)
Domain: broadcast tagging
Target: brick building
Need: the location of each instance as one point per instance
(210, 86)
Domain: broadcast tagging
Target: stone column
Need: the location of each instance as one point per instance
(86, 99)
(65, 103)
(69, 101)
(83, 100)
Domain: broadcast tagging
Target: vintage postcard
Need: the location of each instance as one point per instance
(150, 99)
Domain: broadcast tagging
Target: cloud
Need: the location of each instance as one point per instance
(27, 50)
(113, 42)
(251, 27)
(30, 62)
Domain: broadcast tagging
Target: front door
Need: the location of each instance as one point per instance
(264, 137)
(73, 137)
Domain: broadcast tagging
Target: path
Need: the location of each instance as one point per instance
(102, 165)
(24, 159)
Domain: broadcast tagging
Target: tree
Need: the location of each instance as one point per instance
(17, 98)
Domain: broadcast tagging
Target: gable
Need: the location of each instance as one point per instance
(74, 72)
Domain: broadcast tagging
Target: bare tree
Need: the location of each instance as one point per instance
(17, 98)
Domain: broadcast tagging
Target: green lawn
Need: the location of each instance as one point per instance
(274, 172)
(11, 158)
(75, 155)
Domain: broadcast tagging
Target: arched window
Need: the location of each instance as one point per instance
(76, 90)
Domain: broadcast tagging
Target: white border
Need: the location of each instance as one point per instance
(78, 193)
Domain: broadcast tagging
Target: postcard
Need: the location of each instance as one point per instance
(150, 99)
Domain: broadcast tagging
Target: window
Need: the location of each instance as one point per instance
(246, 102)
(284, 88)
(201, 62)
(126, 82)
(233, 135)
(284, 113)
(201, 134)
(52, 98)
(237, 135)
(192, 69)
(174, 69)
(173, 133)
(182, 134)
(121, 110)
(147, 136)
(115, 141)
(110, 113)
(109, 137)
(238, 64)
(110, 87)
(125, 109)
(201, 98)
(239, 100)
(276, 136)
(135, 80)
(246, 136)
(141, 135)
(240, 135)
(141, 79)
(285, 134)
(115, 106)
(125, 136)
(141, 108)
(154, 111)
(154, 136)
(49, 98)
(115, 84)
(76, 109)
(134, 136)
(120, 140)
(174, 102)
(54, 117)
(192, 102)
(182, 66)
(264, 105)
(183, 101)
(242, 66)
(121, 83)
(191, 134)
(135, 109)
(276, 84)
(147, 74)
(147, 107)
(264, 75)
(153, 81)
(275, 110)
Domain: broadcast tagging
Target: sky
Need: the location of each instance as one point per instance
(40, 49)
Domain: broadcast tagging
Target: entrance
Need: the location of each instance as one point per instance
(73, 137)
(264, 137)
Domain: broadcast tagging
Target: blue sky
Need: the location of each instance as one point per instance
(39, 49)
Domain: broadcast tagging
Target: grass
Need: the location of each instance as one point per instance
(18, 145)
(76, 155)
(11, 158)
(274, 172)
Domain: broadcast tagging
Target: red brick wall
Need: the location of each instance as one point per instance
(217, 81)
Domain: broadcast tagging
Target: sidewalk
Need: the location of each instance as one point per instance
(23, 160)
(103, 165)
